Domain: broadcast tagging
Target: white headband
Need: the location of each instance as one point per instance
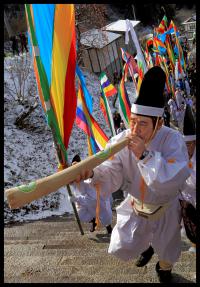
(146, 110)
(189, 138)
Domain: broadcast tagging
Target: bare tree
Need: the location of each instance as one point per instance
(88, 16)
(7, 25)
(19, 84)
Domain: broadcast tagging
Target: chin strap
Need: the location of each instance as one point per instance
(153, 133)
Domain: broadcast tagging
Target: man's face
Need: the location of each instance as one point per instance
(141, 126)
(190, 147)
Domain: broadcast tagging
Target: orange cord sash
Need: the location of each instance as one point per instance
(98, 222)
(142, 190)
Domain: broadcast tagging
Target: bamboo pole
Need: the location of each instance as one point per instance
(21, 195)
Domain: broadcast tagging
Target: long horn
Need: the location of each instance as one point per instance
(24, 194)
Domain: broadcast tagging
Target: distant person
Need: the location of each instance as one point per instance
(121, 128)
(116, 80)
(117, 120)
(179, 97)
(180, 115)
(185, 50)
(166, 117)
(84, 195)
(15, 48)
(187, 87)
(23, 42)
(188, 191)
(189, 102)
(173, 110)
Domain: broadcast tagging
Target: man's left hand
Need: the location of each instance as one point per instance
(136, 145)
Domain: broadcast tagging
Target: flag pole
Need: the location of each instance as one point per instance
(61, 158)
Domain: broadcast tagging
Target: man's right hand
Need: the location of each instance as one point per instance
(85, 174)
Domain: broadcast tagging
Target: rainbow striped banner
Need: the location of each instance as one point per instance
(124, 103)
(160, 46)
(170, 53)
(181, 61)
(97, 138)
(108, 89)
(163, 25)
(52, 32)
(104, 105)
(140, 75)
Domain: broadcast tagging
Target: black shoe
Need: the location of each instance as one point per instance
(92, 229)
(164, 276)
(144, 257)
(109, 229)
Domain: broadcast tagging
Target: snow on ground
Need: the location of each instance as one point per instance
(29, 153)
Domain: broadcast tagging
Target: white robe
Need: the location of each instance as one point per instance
(132, 233)
(86, 202)
(180, 117)
(179, 98)
(189, 189)
(187, 88)
(173, 109)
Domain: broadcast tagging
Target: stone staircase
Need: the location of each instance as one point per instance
(53, 251)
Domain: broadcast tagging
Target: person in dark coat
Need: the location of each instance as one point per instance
(116, 80)
(166, 117)
(15, 48)
(23, 42)
(117, 120)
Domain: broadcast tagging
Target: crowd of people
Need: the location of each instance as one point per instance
(176, 104)
(19, 44)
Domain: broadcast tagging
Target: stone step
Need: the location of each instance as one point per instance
(55, 252)
(89, 274)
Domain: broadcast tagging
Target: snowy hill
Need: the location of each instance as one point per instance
(28, 151)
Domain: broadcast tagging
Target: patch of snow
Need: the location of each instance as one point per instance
(29, 153)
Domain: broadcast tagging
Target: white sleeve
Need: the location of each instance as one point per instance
(109, 174)
(82, 200)
(168, 170)
(191, 181)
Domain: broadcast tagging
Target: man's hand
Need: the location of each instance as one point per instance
(136, 145)
(85, 174)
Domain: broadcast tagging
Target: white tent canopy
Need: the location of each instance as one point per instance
(119, 26)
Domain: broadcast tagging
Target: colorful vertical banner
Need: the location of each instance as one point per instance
(52, 32)
(124, 103)
(97, 139)
(104, 105)
(106, 86)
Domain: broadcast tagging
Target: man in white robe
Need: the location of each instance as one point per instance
(179, 97)
(173, 110)
(154, 166)
(85, 198)
(188, 191)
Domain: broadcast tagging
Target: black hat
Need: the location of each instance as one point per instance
(189, 130)
(150, 101)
